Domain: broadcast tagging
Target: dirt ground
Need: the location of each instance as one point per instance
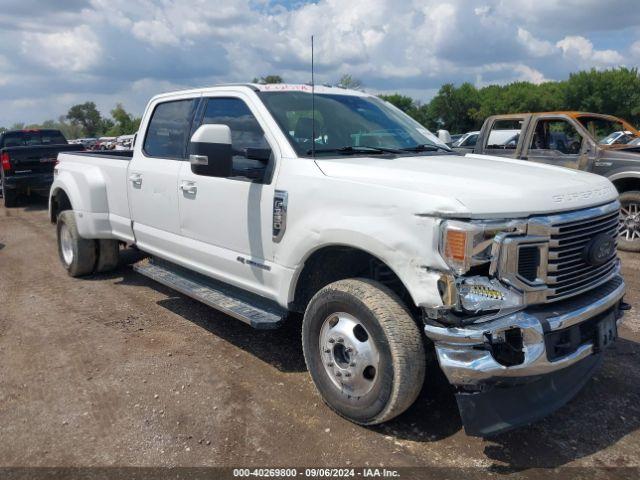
(118, 370)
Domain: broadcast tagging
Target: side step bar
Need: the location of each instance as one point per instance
(252, 309)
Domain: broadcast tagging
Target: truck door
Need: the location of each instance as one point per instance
(556, 141)
(153, 177)
(229, 220)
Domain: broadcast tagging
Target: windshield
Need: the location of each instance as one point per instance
(349, 124)
(608, 132)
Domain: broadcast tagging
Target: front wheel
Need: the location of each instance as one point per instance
(363, 350)
(629, 237)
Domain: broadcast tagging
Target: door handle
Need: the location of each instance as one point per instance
(136, 179)
(189, 187)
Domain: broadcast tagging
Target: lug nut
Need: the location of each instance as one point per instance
(331, 340)
(327, 350)
(352, 364)
(349, 349)
(330, 364)
(347, 374)
(338, 374)
(340, 340)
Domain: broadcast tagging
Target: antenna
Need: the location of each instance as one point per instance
(313, 107)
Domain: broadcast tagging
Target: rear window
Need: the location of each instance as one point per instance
(33, 137)
(505, 134)
(169, 129)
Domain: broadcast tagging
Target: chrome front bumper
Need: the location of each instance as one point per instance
(466, 358)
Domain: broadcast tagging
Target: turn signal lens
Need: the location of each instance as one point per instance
(456, 245)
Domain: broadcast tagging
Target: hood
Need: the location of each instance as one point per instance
(485, 186)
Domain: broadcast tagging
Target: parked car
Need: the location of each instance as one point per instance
(466, 142)
(124, 142)
(581, 141)
(28, 157)
(374, 230)
(618, 138)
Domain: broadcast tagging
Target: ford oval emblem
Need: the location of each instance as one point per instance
(599, 250)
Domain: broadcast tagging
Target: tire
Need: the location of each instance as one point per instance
(108, 256)
(629, 238)
(364, 316)
(77, 254)
(10, 197)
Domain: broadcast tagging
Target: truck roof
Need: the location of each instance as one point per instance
(267, 87)
(573, 114)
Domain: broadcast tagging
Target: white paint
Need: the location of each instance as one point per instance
(390, 208)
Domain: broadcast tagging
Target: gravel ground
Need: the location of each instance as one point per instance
(118, 370)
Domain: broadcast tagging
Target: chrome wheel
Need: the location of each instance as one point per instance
(66, 244)
(349, 354)
(630, 221)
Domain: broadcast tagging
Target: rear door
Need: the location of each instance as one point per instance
(503, 138)
(152, 185)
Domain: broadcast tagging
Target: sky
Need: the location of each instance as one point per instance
(54, 54)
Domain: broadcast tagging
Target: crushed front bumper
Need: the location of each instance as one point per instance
(556, 350)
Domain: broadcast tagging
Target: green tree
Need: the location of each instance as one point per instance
(347, 81)
(268, 79)
(87, 116)
(454, 108)
(615, 91)
(124, 122)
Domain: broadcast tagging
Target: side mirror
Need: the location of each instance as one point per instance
(445, 137)
(210, 151)
(261, 154)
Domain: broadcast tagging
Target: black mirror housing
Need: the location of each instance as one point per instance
(260, 154)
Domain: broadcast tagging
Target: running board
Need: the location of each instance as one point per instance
(252, 309)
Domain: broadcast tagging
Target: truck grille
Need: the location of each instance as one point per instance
(568, 272)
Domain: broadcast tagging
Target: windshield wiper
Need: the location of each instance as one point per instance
(426, 147)
(350, 150)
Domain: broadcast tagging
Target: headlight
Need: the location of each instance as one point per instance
(467, 244)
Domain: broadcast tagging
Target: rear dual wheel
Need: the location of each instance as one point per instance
(363, 350)
(81, 256)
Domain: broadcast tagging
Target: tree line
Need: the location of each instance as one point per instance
(458, 109)
(85, 120)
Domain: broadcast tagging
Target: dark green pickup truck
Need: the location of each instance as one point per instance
(601, 144)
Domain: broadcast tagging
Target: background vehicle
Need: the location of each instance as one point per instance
(575, 140)
(371, 227)
(28, 157)
(466, 142)
(124, 142)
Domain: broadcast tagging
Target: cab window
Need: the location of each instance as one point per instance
(556, 135)
(168, 130)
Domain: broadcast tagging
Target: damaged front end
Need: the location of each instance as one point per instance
(526, 312)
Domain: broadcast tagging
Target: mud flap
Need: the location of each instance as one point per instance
(506, 406)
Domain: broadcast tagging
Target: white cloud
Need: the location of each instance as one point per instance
(126, 51)
(535, 47)
(77, 50)
(581, 48)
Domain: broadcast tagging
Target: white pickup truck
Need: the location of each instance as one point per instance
(263, 200)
